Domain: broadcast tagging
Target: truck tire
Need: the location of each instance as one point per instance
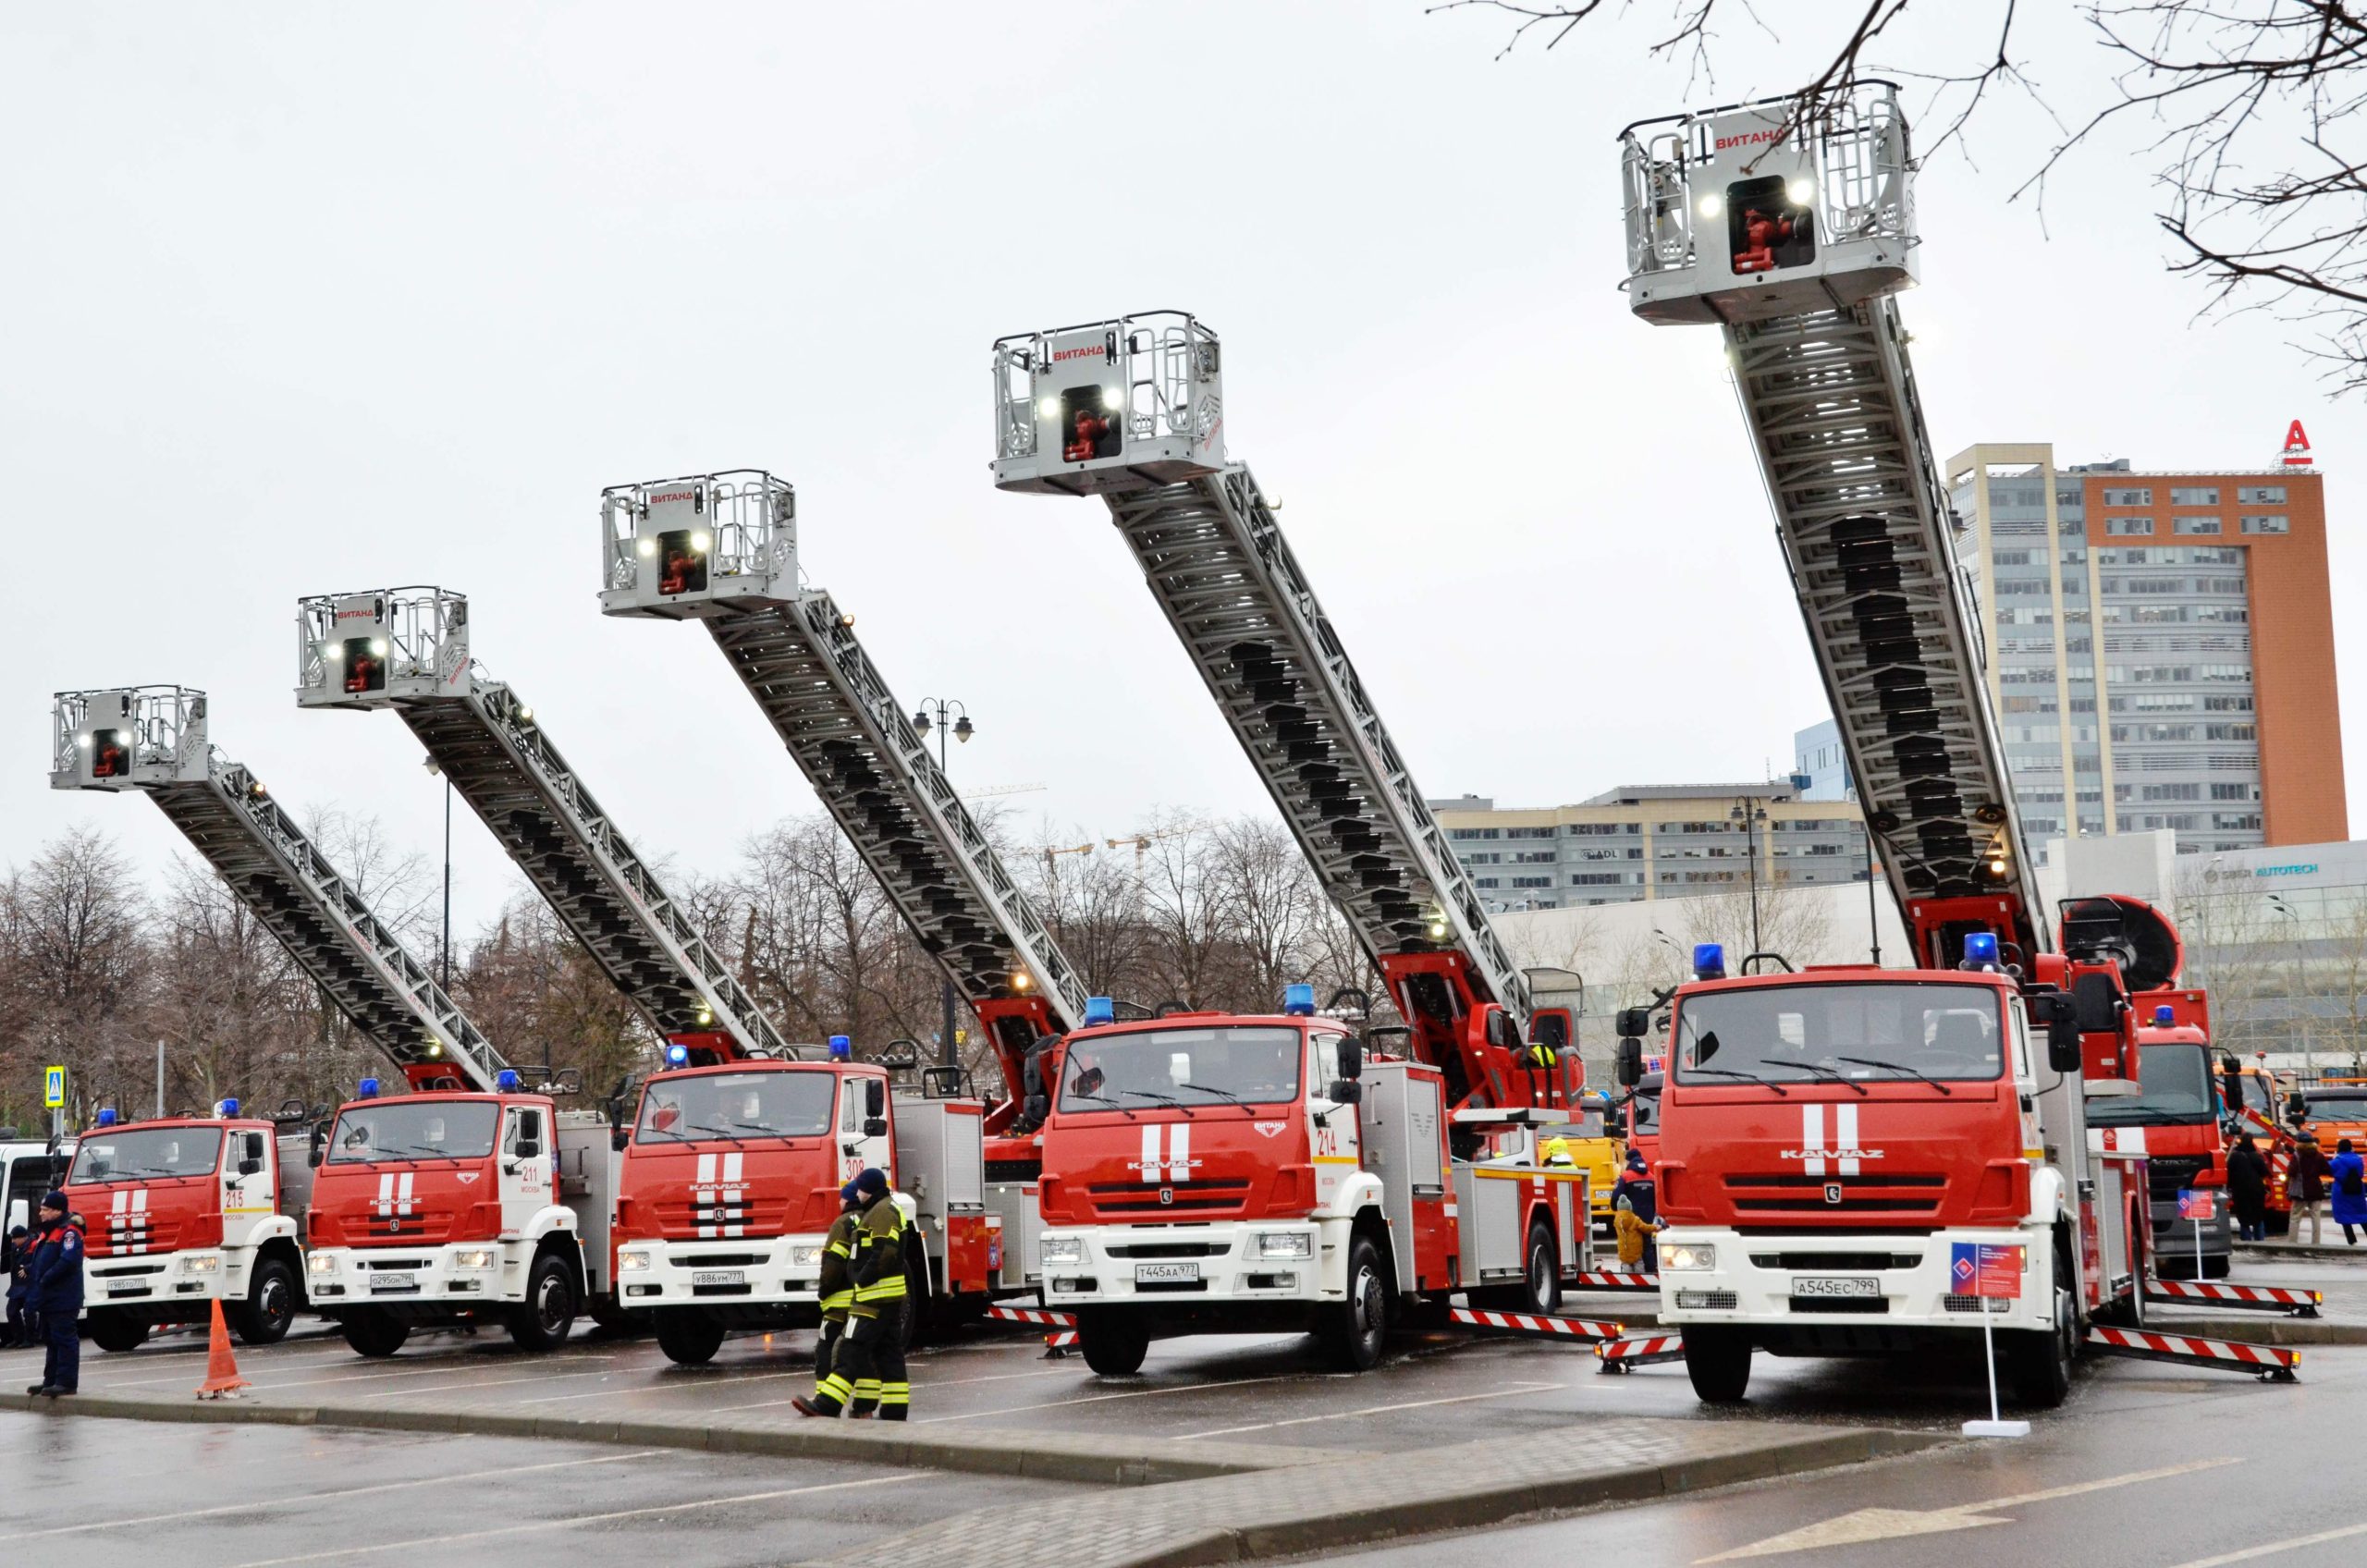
(541, 1320)
(2215, 1268)
(112, 1331)
(2039, 1362)
(373, 1333)
(1353, 1333)
(1717, 1360)
(1540, 1288)
(1113, 1345)
(688, 1336)
(269, 1311)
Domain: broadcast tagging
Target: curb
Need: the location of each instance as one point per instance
(1054, 1456)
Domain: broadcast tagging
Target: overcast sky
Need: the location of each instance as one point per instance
(304, 300)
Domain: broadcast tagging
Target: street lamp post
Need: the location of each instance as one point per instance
(1753, 816)
(933, 714)
(444, 946)
(2300, 998)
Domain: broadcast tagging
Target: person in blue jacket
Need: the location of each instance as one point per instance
(2348, 1180)
(56, 1291)
(13, 1256)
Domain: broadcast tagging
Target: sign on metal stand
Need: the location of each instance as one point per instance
(1990, 1273)
(2195, 1204)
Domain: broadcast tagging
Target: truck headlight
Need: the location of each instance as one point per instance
(633, 1263)
(1064, 1249)
(1285, 1244)
(805, 1258)
(479, 1257)
(320, 1263)
(1689, 1255)
(206, 1264)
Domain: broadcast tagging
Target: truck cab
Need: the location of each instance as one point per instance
(453, 1206)
(2175, 1118)
(180, 1212)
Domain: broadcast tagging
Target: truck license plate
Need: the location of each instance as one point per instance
(718, 1277)
(1167, 1273)
(394, 1281)
(1848, 1285)
(132, 1290)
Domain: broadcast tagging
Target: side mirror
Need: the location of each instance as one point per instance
(1345, 1091)
(529, 1150)
(874, 1103)
(320, 1139)
(1632, 1022)
(2063, 1045)
(1038, 1107)
(875, 1126)
(1352, 1060)
(250, 1166)
(2099, 1002)
(1631, 1062)
(619, 1138)
(2296, 1108)
(313, 1159)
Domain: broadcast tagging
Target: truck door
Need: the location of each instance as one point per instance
(249, 1174)
(858, 1146)
(1333, 1133)
(524, 1167)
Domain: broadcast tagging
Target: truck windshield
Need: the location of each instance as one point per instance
(2349, 1106)
(158, 1151)
(399, 1130)
(1875, 1030)
(737, 1105)
(1646, 1114)
(1246, 1065)
(2174, 1081)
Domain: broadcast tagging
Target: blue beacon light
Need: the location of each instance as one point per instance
(1708, 960)
(1099, 1009)
(369, 1089)
(841, 1048)
(106, 1116)
(1298, 1001)
(678, 1056)
(2165, 1015)
(506, 1080)
(1980, 949)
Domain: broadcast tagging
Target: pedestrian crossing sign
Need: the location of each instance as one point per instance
(53, 1087)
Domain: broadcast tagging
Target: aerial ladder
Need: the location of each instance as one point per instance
(407, 649)
(152, 739)
(1131, 411)
(721, 549)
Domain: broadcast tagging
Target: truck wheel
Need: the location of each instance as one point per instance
(1113, 1345)
(1353, 1333)
(541, 1320)
(116, 1330)
(2215, 1268)
(373, 1333)
(265, 1317)
(1717, 1360)
(688, 1336)
(2040, 1361)
(1542, 1271)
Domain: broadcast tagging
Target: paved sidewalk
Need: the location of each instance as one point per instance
(1361, 1497)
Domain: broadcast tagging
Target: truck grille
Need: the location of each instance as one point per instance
(1212, 1198)
(2169, 1174)
(1792, 1192)
(1835, 1262)
(1170, 1249)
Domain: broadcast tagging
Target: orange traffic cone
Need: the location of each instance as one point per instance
(221, 1366)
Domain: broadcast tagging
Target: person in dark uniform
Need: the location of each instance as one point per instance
(14, 1254)
(867, 1373)
(836, 1286)
(55, 1293)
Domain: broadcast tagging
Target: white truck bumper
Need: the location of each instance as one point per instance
(779, 1270)
(1189, 1266)
(1846, 1281)
(455, 1273)
(198, 1274)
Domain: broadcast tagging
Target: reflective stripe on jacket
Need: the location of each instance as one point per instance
(837, 1283)
(879, 1256)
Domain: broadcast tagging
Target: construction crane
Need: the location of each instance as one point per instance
(721, 548)
(1131, 411)
(152, 739)
(1789, 223)
(407, 649)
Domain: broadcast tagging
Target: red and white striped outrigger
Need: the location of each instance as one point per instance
(1631, 1351)
(2271, 1363)
(1537, 1325)
(2254, 1298)
(1060, 1337)
(1614, 1280)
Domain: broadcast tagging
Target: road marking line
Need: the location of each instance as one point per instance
(1889, 1524)
(2294, 1544)
(1127, 1394)
(439, 1480)
(579, 1519)
(1376, 1410)
(486, 1383)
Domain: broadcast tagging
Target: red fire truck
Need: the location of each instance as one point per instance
(731, 1174)
(185, 1211)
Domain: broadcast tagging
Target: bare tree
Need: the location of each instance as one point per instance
(73, 929)
(2248, 107)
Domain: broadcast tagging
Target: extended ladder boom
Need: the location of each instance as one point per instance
(1131, 411)
(152, 739)
(721, 548)
(407, 649)
(1791, 227)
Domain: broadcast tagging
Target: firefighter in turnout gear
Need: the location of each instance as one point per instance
(867, 1372)
(837, 1284)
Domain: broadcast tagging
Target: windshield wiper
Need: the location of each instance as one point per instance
(1113, 1105)
(702, 1127)
(1896, 1067)
(1228, 1094)
(1828, 1072)
(1163, 1099)
(1745, 1077)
